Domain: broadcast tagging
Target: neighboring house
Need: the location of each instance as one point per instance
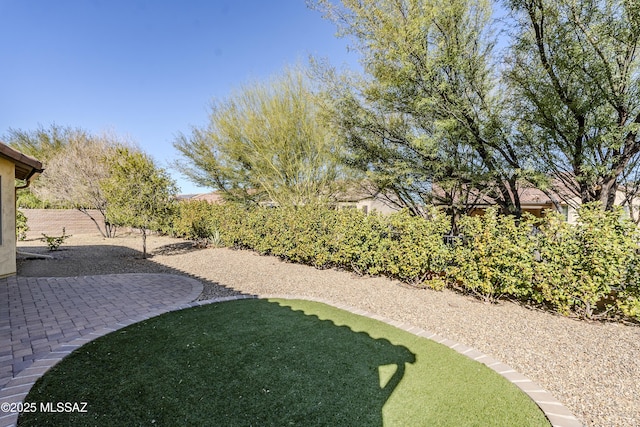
(214, 198)
(354, 199)
(532, 200)
(537, 202)
(13, 165)
(366, 200)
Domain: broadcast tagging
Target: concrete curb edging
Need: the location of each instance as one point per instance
(18, 388)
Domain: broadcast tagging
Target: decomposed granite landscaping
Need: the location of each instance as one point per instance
(590, 367)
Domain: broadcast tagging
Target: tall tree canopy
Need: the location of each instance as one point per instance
(431, 111)
(575, 70)
(264, 142)
(441, 107)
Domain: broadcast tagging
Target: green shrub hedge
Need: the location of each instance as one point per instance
(496, 257)
(589, 270)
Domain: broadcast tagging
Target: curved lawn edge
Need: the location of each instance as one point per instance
(557, 414)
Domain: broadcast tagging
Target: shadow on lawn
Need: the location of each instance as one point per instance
(246, 362)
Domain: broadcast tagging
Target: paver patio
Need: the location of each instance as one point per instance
(40, 317)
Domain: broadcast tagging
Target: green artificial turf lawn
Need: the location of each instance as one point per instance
(275, 362)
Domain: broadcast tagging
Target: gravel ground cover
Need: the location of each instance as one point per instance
(591, 367)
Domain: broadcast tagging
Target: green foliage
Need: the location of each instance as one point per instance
(21, 225)
(495, 258)
(42, 143)
(195, 221)
(358, 240)
(441, 104)
(265, 142)
(54, 242)
(139, 194)
(27, 200)
(590, 269)
(367, 244)
(573, 68)
(432, 109)
(415, 251)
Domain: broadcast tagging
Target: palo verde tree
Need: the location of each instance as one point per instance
(575, 70)
(42, 143)
(265, 143)
(431, 111)
(140, 194)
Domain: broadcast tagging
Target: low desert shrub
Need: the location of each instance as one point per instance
(414, 250)
(54, 242)
(357, 239)
(589, 269)
(195, 221)
(495, 258)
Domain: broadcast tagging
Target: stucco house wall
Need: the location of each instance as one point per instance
(8, 218)
(13, 165)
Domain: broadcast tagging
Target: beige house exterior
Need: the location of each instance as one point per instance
(537, 203)
(13, 165)
(359, 199)
(367, 204)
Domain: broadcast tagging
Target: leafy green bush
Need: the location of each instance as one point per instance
(589, 270)
(21, 225)
(495, 258)
(357, 238)
(586, 268)
(415, 251)
(195, 221)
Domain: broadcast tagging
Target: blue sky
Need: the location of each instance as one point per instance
(143, 68)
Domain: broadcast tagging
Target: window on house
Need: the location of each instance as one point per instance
(565, 212)
(349, 206)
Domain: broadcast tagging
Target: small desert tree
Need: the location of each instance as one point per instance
(139, 194)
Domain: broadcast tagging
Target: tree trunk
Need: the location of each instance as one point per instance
(102, 233)
(606, 193)
(144, 243)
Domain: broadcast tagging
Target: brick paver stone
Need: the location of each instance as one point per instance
(38, 315)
